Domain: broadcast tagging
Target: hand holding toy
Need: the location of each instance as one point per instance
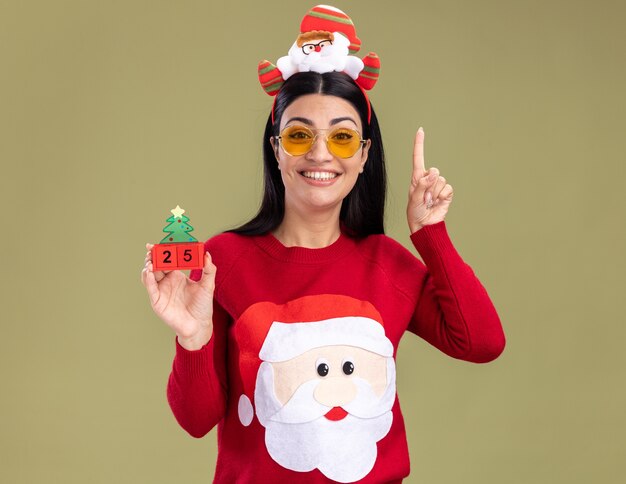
(184, 305)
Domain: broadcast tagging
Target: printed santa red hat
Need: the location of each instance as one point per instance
(272, 332)
(331, 19)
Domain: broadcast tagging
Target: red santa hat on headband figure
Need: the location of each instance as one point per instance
(327, 38)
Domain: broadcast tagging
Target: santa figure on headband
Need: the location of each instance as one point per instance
(322, 389)
(327, 38)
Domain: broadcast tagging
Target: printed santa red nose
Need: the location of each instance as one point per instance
(335, 413)
(318, 48)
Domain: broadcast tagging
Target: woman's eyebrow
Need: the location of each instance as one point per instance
(344, 118)
(302, 120)
(332, 121)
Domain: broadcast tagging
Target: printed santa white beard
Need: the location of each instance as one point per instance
(299, 437)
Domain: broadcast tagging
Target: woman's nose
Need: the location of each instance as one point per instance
(319, 151)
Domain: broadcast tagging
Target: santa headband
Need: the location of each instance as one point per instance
(327, 38)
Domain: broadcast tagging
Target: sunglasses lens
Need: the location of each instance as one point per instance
(297, 140)
(344, 142)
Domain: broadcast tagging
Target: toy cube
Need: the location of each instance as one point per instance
(178, 256)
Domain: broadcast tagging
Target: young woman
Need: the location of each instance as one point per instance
(287, 339)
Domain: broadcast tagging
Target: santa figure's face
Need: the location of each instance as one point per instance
(326, 409)
(347, 379)
(316, 46)
(320, 49)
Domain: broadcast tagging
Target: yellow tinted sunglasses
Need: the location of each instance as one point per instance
(297, 140)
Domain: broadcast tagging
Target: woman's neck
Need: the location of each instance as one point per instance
(312, 230)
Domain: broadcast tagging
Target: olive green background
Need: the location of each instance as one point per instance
(112, 113)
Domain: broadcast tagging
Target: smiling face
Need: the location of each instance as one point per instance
(319, 179)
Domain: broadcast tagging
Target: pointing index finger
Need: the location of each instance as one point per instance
(418, 155)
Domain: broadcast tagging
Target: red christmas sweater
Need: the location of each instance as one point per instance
(299, 374)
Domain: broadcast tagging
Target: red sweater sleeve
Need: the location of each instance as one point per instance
(197, 385)
(454, 312)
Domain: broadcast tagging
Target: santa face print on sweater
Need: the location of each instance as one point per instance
(325, 385)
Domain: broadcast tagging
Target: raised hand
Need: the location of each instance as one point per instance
(429, 194)
(184, 305)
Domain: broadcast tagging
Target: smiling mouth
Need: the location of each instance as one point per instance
(319, 175)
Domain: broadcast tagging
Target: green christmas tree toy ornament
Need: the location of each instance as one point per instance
(178, 250)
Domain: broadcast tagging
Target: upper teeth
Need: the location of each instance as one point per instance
(319, 175)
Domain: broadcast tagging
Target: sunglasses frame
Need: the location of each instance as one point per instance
(315, 135)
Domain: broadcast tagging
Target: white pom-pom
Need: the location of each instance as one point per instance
(245, 410)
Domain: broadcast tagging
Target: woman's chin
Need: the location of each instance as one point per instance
(318, 202)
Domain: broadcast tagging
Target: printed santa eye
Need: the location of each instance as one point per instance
(322, 367)
(347, 366)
